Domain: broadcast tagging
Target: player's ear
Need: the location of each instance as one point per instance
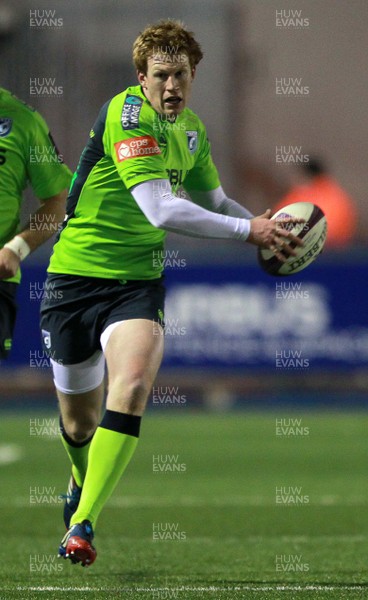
(141, 78)
(193, 72)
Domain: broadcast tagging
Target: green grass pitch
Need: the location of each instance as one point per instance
(211, 506)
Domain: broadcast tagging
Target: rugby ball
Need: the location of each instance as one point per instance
(313, 233)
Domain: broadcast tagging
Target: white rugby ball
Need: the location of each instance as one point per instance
(313, 233)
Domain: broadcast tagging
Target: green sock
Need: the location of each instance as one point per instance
(78, 454)
(112, 447)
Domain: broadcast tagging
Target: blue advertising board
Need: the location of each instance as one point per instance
(237, 317)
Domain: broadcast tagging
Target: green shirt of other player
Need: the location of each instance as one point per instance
(27, 155)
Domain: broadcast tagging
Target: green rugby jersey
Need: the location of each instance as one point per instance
(27, 155)
(106, 234)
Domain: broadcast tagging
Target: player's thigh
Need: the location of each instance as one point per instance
(80, 390)
(133, 355)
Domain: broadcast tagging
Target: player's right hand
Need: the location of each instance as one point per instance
(269, 233)
(9, 263)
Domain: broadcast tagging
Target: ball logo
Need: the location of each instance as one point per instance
(297, 228)
(144, 145)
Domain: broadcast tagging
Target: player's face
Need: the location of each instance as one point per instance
(167, 83)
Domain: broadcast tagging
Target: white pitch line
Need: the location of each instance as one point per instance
(344, 539)
(9, 453)
(307, 538)
(243, 588)
(197, 502)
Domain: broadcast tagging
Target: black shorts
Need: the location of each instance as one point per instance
(76, 310)
(8, 313)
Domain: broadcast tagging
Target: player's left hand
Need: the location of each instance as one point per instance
(9, 263)
(275, 235)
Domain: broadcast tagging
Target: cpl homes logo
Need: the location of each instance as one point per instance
(144, 145)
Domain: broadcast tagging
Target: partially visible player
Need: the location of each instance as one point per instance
(144, 145)
(27, 155)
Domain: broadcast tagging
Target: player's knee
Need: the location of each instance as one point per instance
(137, 393)
(79, 431)
(131, 395)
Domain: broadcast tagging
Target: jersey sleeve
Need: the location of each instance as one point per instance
(47, 173)
(204, 175)
(130, 140)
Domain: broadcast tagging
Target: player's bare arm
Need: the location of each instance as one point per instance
(51, 211)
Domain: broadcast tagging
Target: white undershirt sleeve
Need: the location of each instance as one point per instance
(217, 201)
(166, 211)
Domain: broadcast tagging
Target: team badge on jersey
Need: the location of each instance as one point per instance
(46, 336)
(5, 126)
(192, 137)
(131, 111)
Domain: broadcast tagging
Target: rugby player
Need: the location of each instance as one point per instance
(144, 144)
(27, 154)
